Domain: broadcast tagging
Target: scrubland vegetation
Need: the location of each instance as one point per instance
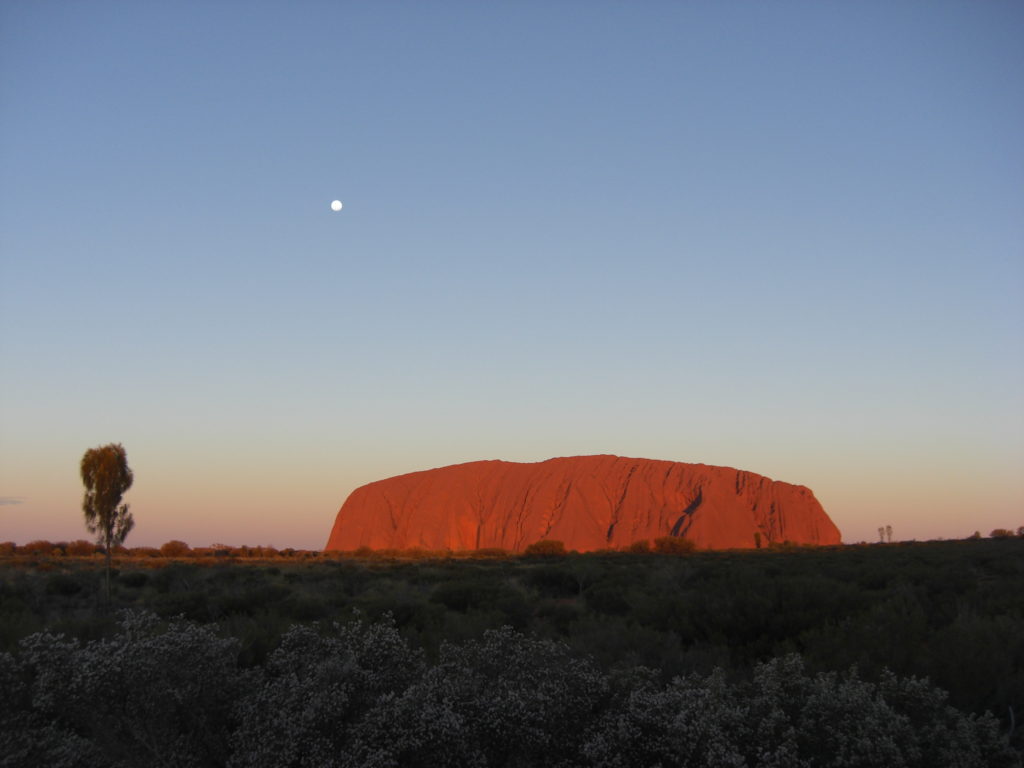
(782, 657)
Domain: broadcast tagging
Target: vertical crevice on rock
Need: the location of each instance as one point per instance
(678, 529)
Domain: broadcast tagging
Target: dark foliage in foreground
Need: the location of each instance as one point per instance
(172, 693)
(952, 612)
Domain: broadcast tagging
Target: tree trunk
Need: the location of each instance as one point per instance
(108, 570)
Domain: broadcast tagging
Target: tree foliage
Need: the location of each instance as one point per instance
(106, 476)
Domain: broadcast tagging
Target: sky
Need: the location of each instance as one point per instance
(786, 237)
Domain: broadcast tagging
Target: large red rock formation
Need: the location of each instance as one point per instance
(587, 502)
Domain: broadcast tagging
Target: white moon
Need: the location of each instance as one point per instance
(336, 205)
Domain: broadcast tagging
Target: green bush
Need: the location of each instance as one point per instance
(80, 548)
(63, 584)
(674, 545)
(552, 581)
(545, 548)
(175, 548)
(133, 579)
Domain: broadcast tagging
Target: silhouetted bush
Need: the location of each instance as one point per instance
(133, 579)
(608, 599)
(552, 581)
(39, 547)
(641, 547)
(545, 548)
(674, 545)
(63, 584)
(303, 608)
(486, 552)
(80, 548)
(175, 548)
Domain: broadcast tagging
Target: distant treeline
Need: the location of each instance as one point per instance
(666, 545)
(670, 545)
(169, 549)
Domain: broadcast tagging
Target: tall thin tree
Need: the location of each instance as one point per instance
(106, 476)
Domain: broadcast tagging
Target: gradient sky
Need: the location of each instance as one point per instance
(786, 237)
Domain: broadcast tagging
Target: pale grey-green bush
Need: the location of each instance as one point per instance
(172, 694)
(505, 700)
(154, 694)
(316, 687)
(786, 718)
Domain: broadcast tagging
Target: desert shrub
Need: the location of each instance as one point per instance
(304, 608)
(133, 579)
(674, 545)
(191, 605)
(7, 548)
(979, 658)
(175, 548)
(63, 584)
(144, 552)
(313, 691)
(641, 547)
(552, 581)
(786, 717)
(150, 695)
(490, 552)
(609, 599)
(29, 737)
(253, 599)
(80, 548)
(174, 576)
(1001, 533)
(505, 700)
(258, 552)
(38, 547)
(545, 548)
(558, 616)
(466, 594)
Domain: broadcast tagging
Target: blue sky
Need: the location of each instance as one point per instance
(787, 237)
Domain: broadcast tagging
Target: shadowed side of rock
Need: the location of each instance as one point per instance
(587, 502)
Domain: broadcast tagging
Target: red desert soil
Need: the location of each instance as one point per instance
(587, 502)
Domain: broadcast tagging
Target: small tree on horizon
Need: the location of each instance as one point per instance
(106, 476)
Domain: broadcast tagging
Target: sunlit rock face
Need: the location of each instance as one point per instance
(587, 502)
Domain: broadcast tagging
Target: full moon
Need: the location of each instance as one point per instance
(336, 205)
